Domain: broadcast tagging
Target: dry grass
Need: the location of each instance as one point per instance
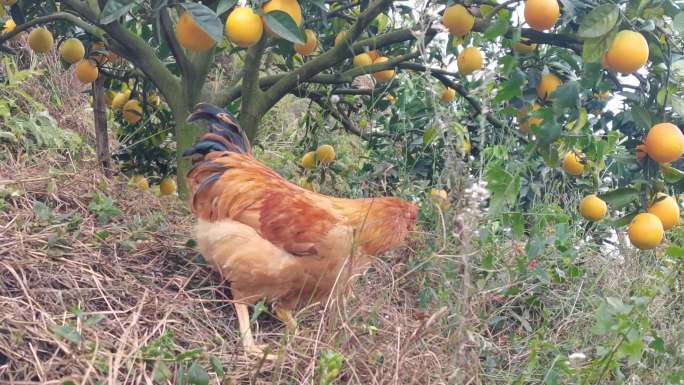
(120, 296)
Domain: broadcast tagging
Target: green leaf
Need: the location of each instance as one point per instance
(677, 104)
(197, 375)
(67, 332)
(206, 19)
(224, 5)
(620, 197)
(632, 350)
(566, 96)
(678, 22)
(641, 116)
(671, 174)
(282, 24)
(593, 49)
(429, 136)
(114, 9)
(162, 373)
(599, 21)
(676, 251)
(498, 28)
(217, 366)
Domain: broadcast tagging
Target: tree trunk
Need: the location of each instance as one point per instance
(186, 135)
(101, 136)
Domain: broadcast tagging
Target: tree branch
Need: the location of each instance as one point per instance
(252, 100)
(174, 47)
(347, 124)
(443, 77)
(137, 51)
(326, 60)
(63, 16)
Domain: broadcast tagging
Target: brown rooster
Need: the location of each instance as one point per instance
(274, 240)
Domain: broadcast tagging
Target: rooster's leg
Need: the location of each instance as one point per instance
(285, 316)
(246, 332)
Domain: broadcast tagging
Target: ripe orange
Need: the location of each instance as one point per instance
(191, 36)
(541, 14)
(309, 160)
(9, 26)
(291, 7)
(40, 40)
(448, 95)
(524, 120)
(665, 143)
(385, 75)
(627, 53)
(593, 208)
(645, 231)
(469, 60)
(244, 27)
(120, 99)
(326, 154)
(547, 84)
(458, 20)
(72, 50)
(132, 111)
(339, 37)
(572, 164)
(140, 182)
(373, 54)
(86, 71)
(666, 209)
(310, 44)
(523, 48)
(167, 186)
(362, 60)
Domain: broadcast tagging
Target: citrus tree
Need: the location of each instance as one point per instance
(535, 75)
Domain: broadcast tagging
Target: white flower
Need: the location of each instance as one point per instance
(576, 358)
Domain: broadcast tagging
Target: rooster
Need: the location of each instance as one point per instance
(273, 240)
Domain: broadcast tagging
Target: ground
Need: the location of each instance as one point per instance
(95, 301)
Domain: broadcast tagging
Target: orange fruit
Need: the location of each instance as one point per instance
(547, 84)
(244, 27)
(339, 37)
(140, 182)
(385, 75)
(627, 53)
(72, 50)
(309, 160)
(167, 186)
(191, 36)
(524, 120)
(458, 20)
(593, 208)
(645, 231)
(291, 7)
(469, 60)
(120, 99)
(448, 95)
(373, 54)
(40, 40)
(572, 164)
(665, 143)
(309, 46)
(326, 154)
(362, 60)
(541, 14)
(666, 209)
(439, 197)
(86, 71)
(132, 111)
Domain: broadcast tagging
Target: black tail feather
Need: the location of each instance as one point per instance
(221, 123)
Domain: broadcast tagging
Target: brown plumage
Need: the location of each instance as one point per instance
(272, 239)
